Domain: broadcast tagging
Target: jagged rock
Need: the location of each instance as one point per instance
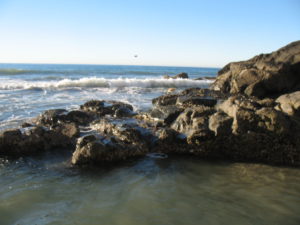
(188, 101)
(116, 140)
(193, 122)
(113, 108)
(274, 121)
(93, 149)
(165, 100)
(50, 117)
(167, 114)
(55, 117)
(289, 103)
(70, 130)
(78, 117)
(220, 123)
(36, 139)
(180, 75)
(264, 75)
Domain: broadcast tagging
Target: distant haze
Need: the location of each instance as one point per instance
(139, 32)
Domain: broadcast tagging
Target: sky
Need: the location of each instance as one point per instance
(199, 33)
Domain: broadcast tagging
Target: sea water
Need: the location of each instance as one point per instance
(169, 190)
(26, 90)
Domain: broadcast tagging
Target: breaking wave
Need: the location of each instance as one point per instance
(94, 82)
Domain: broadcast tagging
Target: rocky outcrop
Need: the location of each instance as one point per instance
(37, 139)
(264, 75)
(289, 103)
(113, 140)
(113, 108)
(180, 76)
(253, 116)
(58, 128)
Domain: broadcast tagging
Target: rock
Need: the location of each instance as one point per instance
(116, 140)
(255, 116)
(124, 112)
(50, 117)
(167, 114)
(180, 76)
(220, 123)
(113, 108)
(165, 100)
(37, 139)
(55, 117)
(193, 122)
(289, 103)
(205, 78)
(274, 121)
(264, 75)
(78, 117)
(188, 101)
(70, 130)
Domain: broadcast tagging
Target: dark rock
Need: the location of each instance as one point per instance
(78, 117)
(264, 75)
(95, 150)
(193, 122)
(205, 78)
(165, 100)
(102, 108)
(51, 117)
(37, 139)
(188, 101)
(166, 113)
(116, 140)
(70, 130)
(180, 75)
(220, 123)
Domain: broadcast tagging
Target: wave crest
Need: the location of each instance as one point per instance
(94, 82)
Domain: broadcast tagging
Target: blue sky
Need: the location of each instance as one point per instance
(162, 32)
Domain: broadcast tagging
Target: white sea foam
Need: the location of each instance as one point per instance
(94, 82)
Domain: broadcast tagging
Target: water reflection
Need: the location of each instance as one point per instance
(173, 190)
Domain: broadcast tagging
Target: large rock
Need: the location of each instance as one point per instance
(113, 140)
(249, 114)
(167, 114)
(289, 103)
(37, 139)
(193, 122)
(220, 123)
(264, 75)
(55, 117)
(113, 108)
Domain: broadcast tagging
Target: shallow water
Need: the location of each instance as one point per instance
(47, 190)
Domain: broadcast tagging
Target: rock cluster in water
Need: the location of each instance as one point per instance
(251, 113)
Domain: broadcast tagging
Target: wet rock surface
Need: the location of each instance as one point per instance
(241, 118)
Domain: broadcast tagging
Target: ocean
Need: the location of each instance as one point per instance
(26, 90)
(177, 190)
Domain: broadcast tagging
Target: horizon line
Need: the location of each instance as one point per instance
(96, 64)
